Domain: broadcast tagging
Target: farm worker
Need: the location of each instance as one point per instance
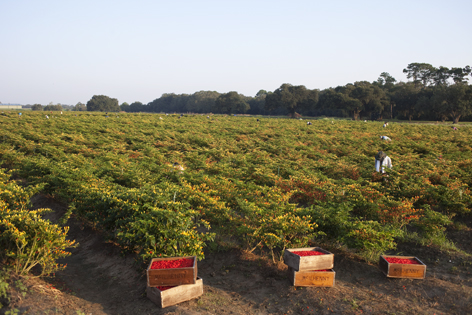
(454, 128)
(385, 138)
(47, 116)
(178, 167)
(382, 161)
(309, 123)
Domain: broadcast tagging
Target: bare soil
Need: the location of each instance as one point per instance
(99, 280)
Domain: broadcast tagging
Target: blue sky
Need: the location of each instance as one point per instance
(67, 51)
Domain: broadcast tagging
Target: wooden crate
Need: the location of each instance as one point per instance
(175, 295)
(311, 278)
(317, 262)
(172, 276)
(412, 271)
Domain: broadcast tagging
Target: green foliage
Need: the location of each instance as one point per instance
(293, 98)
(4, 286)
(432, 223)
(266, 185)
(230, 103)
(37, 107)
(28, 240)
(52, 107)
(103, 103)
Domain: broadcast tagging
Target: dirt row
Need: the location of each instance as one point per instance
(99, 280)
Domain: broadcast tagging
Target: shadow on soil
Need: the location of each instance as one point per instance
(99, 280)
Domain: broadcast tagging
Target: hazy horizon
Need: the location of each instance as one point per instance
(66, 52)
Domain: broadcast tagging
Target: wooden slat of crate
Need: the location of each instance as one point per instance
(176, 294)
(312, 278)
(411, 271)
(172, 276)
(316, 262)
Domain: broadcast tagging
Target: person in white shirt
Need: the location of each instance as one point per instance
(385, 138)
(382, 161)
(178, 167)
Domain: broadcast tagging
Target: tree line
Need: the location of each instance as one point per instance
(430, 94)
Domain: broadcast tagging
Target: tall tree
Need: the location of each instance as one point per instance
(340, 99)
(421, 73)
(454, 100)
(137, 107)
(459, 75)
(51, 107)
(405, 97)
(257, 103)
(292, 97)
(363, 96)
(441, 75)
(103, 103)
(80, 107)
(201, 102)
(386, 81)
(38, 107)
(231, 103)
(124, 107)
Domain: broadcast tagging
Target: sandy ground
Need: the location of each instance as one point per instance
(98, 280)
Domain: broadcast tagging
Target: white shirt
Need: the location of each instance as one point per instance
(386, 162)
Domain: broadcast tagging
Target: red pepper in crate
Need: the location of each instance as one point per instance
(177, 263)
(308, 253)
(394, 260)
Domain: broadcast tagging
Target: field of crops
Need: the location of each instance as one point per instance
(263, 185)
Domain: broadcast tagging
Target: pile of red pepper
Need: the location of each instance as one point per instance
(174, 263)
(308, 253)
(394, 260)
(163, 288)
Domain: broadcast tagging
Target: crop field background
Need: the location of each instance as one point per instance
(275, 183)
(257, 185)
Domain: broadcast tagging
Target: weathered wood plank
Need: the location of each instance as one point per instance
(172, 276)
(316, 262)
(411, 271)
(312, 278)
(175, 295)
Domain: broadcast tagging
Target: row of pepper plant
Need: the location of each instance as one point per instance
(267, 184)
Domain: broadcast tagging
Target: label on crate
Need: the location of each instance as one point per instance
(174, 275)
(407, 271)
(313, 278)
(317, 278)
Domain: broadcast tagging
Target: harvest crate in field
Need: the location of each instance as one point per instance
(165, 296)
(172, 271)
(402, 267)
(311, 258)
(312, 278)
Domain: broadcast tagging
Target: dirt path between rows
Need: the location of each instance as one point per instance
(98, 280)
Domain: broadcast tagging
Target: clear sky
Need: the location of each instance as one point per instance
(65, 52)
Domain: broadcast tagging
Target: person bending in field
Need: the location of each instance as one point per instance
(382, 161)
(178, 167)
(385, 138)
